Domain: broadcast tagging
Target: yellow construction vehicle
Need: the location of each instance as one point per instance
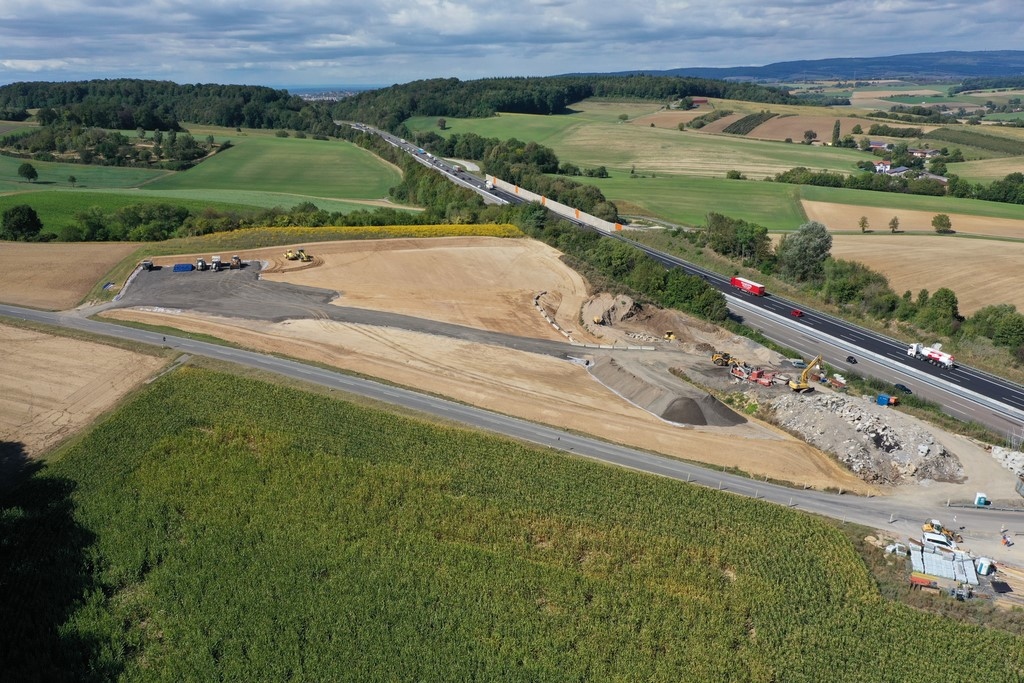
(291, 255)
(720, 359)
(802, 384)
(598, 320)
(934, 526)
(670, 335)
(303, 256)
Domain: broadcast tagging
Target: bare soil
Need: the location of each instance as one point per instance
(55, 276)
(50, 386)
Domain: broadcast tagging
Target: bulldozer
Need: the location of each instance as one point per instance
(802, 384)
(303, 256)
(291, 255)
(720, 359)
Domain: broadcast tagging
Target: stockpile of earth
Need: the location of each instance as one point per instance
(682, 404)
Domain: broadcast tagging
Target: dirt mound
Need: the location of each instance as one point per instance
(664, 395)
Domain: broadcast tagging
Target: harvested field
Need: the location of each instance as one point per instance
(847, 216)
(55, 276)
(981, 272)
(51, 387)
(793, 127)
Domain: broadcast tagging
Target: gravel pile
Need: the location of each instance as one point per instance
(877, 443)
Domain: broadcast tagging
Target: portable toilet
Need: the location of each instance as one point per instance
(985, 566)
(981, 499)
(883, 399)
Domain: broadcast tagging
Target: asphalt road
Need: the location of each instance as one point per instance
(900, 517)
(965, 393)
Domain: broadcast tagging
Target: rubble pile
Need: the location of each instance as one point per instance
(875, 442)
(1009, 458)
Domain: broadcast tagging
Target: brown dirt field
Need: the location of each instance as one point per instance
(981, 272)
(51, 387)
(483, 282)
(530, 386)
(719, 125)
(55, 276)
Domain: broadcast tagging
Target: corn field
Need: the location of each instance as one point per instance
(219, 528)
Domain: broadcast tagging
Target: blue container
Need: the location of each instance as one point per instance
(883, 399)
(182, 267)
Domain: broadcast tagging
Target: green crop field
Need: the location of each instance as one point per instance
(687, 201)
(305, 167)
(217, 528)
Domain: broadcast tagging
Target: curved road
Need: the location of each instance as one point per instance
(900, 517)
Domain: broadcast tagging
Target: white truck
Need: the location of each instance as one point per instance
(932, 354)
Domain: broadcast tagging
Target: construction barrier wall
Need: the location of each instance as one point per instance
(557, 207)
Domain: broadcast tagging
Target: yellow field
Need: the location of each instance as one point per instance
(981, 272)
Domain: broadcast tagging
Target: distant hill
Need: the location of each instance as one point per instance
(920, 66)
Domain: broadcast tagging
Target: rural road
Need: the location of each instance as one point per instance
(900, 517)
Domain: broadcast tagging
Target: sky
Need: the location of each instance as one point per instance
(312, 43)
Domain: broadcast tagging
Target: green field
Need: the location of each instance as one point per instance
(219, 528)
(54, 176)
(687, 201)
(593, 137)
(303, 167)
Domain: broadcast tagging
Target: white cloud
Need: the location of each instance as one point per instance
(394, 41)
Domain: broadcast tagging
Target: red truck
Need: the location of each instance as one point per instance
(747, 285)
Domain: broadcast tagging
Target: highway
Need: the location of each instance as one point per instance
(899, 516)
(964, 392)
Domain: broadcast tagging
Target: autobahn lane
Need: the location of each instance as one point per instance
(901, 517)
(966, 393)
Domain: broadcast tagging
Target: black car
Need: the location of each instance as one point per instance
(851, 360)
(904, 388)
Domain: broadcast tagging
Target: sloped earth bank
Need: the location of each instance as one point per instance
(531, 386)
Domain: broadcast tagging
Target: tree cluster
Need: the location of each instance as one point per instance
(128, 104)
(877, 182)
(75, 143)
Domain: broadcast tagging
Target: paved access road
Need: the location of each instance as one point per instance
(900, 517)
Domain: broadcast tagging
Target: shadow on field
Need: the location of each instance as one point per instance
(43, 576)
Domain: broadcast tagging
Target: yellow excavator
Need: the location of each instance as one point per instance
(802, 384)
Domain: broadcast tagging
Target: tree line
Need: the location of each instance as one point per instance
(803, 258)
(388, 108)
